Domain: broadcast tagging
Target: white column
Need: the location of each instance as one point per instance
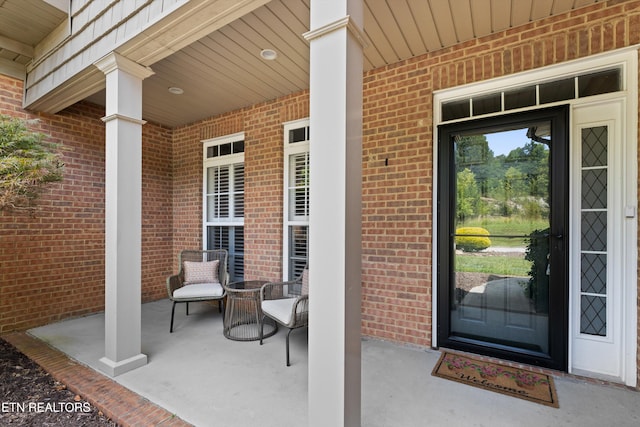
(123, 207)
(335, 219)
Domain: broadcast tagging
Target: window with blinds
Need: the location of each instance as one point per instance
(296, 175)
(225, 192)
(299, 187)
(224, 200)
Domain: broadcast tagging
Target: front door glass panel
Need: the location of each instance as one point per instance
(501, 237)
(502, 255)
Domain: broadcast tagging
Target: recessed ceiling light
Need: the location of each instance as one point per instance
(176, 90)
(268, 54)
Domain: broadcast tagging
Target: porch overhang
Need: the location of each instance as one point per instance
(65, 74)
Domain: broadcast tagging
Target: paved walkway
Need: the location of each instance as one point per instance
(207, 380)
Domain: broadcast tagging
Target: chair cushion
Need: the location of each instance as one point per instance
(199, 290)
(201, 272)
(279, 309)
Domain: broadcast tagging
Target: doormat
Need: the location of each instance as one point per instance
(508, 380)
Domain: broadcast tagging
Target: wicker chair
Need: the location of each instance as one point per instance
(198, 279)
(287, 303)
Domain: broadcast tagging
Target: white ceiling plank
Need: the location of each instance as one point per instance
(399, 28)
(481, 16)
(409, 27)
(375, 14)
(541, 9)
(12, 69)
(561, 6)
(500, 15)
(297, 24)
(265, 32)
(443, 21)
(520, 12)
(237, 66)
(426, 25)
(371, 52)
(61, 5)
(461, 11)
(227, 73)
(582, 3)
(248, 50)
(16, 46)
(392, 27)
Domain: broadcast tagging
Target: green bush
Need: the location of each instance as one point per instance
(27, 164)
(471, 239)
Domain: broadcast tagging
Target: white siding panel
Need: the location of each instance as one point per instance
(77, 5)
(94, 24)
(103, 23)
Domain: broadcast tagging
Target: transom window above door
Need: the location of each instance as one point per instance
(579, 86)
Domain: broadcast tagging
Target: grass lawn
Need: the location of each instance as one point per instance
(498, 264)
(507, 226)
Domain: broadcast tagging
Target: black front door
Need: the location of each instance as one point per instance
(502, 237)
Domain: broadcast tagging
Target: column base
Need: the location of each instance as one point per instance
(114, 369)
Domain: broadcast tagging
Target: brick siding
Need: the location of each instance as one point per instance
(52, 262)
(264, 158)
(397, 181)
(397, 150)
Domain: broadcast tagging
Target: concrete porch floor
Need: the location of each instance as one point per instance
(208, 380)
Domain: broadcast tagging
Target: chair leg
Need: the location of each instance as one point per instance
(220, 302)
(187, 309)
(261, 330)
(288, 333)
(173, 309)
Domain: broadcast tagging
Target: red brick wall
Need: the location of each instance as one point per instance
(157, 213)
(52, 263)
(398, 159)
(262, 126)
(397, 207)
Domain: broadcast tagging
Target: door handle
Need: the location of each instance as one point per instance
(559, 243)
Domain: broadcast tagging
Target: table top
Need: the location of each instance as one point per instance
(247, 285)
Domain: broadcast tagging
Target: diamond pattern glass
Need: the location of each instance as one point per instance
(594, 146)
(593, 260)
(594, 273)
(594, 231)
(593, 320)
(594, 189)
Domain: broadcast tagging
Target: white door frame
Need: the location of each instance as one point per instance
(627, 60)
(602, 355)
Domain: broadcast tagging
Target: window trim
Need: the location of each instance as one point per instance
(208, 162)
(579, 67)
(290, 148)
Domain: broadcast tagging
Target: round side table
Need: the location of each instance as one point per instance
(243, 315)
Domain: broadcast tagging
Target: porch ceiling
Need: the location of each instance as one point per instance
(224, 71)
